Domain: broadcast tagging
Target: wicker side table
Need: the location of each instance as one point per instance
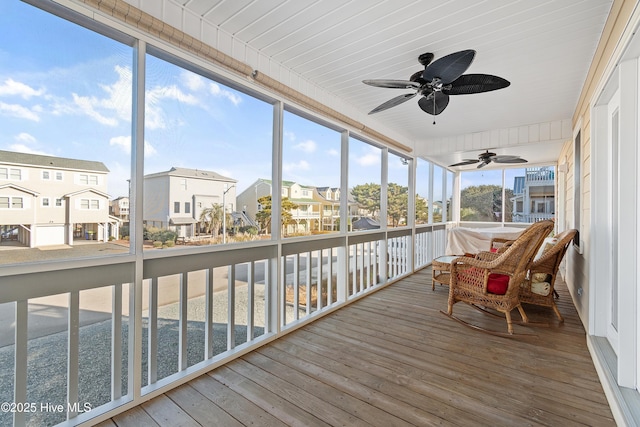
(440, 270)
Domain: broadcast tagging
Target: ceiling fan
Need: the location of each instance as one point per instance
(439, 80)
(487, 157)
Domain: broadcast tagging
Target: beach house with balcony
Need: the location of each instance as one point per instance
(534, 195)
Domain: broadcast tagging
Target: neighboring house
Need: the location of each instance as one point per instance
(306, 217)
(318, 207)
(175, 198)
(534, 195)
(329, 198)
(119, 208)
(47, 200)
(248, 199)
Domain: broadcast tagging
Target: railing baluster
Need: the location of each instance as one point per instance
(208, 310)
(330, 277)
(73, 359)
(116, 342)
(268, 327)
(374, 275)
(182, 322)
(354, 267)
(283, 291)
(308, 279)
(319, 285)
(231, 315)
(21, 356)
(250, 299)
(296, 286)
(152, 332)
(360, 254)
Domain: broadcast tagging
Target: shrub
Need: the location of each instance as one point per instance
(169, 243)
(253, 231)
(157, 244)
(161, 234)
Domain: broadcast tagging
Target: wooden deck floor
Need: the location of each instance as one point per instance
(392, 359)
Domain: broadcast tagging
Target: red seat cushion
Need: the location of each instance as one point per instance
(494, 250)
(498, 283)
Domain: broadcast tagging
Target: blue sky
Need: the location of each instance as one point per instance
(66, 91)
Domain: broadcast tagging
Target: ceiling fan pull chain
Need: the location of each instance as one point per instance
(434, 108)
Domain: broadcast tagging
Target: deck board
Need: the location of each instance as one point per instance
(393, 359)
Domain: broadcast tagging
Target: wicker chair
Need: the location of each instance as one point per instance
(538, 287)
(499, 244)
(492, 280)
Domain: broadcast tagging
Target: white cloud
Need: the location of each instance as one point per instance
(87, 106)
(21, 148)
(12, 87)
(302, 165)
(149, 150)
(307, 146)
(333, 153)
(15, 110)
(154, 114)
(124, 143)
(119, 99)
(25, 137)
(193, 81)
(369, 159)
(105, 110)
(217, 91)
(290, 135)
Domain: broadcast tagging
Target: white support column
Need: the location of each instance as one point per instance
(136, 228)
(276, 289)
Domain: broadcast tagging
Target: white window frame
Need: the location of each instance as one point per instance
(17, 172)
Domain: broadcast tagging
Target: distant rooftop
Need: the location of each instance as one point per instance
(192, 173)
(15, 158)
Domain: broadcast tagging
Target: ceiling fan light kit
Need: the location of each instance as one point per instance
(439, 80)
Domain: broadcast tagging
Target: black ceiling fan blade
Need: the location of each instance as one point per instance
(393, 102)
(393, 84)
(450, 67)
(434, 108)
(482, 164)
(508, 159)
(465, 163)
(476, 83)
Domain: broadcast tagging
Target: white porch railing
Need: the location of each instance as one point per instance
(87, 342)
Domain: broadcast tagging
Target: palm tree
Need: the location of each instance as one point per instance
(212, 218)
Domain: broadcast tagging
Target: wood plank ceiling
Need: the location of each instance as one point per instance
(544, 48)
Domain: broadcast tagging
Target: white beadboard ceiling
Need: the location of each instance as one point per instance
(325, 48)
